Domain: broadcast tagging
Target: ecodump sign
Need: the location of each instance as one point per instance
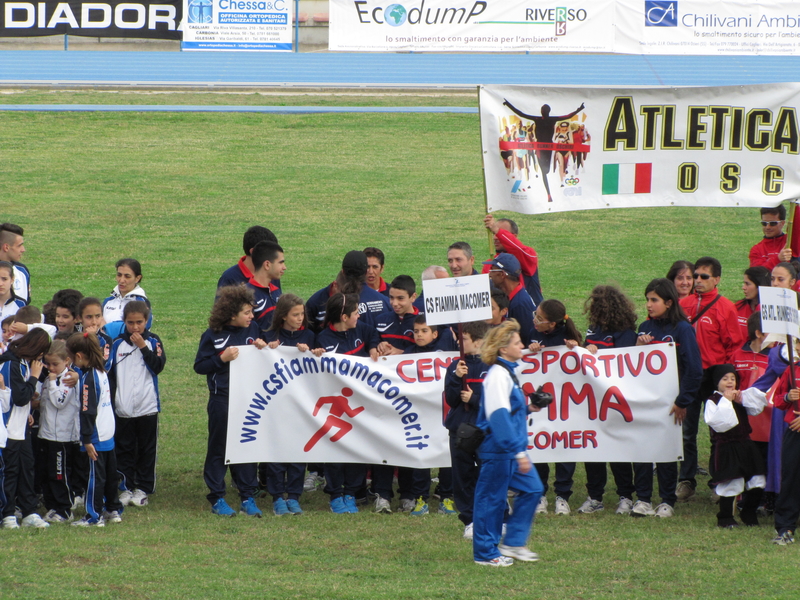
(470, 26)
(157, 20)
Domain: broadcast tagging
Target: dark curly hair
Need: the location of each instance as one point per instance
(609, 309)
(229, 303)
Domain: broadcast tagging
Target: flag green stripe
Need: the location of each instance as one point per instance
(610, 179)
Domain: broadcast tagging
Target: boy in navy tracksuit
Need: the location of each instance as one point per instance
(270, 266)
(137, 357)
(231, 324)
(396, 327)
(464, 402)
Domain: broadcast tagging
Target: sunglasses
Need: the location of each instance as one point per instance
(771, 223)
(703, 276)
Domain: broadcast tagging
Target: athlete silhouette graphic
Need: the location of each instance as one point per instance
(339, 406)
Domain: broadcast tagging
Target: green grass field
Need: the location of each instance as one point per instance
(177, 191)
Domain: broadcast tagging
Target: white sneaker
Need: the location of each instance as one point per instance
(468, 532)
(125, 497)
(112, 516)
(34, 520)
(312, 482)
(664, 510)
(86, 521)
(500, 561)
(590, 506)
(562, 508)
(624, 507)
(139, 498)
(407, 505)
(542, 508)
(77, 502)
(383, 506)
(53, 517)
(10, 522)
(518, 552)
(642, 509)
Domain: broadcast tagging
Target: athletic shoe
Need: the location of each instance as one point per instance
(541, 509)
(250, 509)
(590, 506)
(624, 507)
(468, 532)
(222, 509)
(420, 508)
(279, 507)
(703, 472)
(112, 516)
(642, 509)
(500, 561)
(18, 513)
(664, 510)
(350, 504)
(77, 502)
(383, 506)
(139, 498)
(518, 552)
(781, 539)
(447, 507)
(10, 522)
(53, 517)
(34, 520)
(88, 521)
(312, 482)
(338, 507)
(407, 505)
(562, 508)
(125, 497)
(294, 506)
(684, 491)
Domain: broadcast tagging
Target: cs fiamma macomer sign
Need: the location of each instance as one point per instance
(159, 20)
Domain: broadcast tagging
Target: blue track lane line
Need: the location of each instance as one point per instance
(285, 110)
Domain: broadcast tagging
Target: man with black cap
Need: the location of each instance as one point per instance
(505, 240)
(350, 280)
(506, 275)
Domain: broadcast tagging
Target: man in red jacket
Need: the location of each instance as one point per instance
(719, 336)
(772, 249)
(505, 240)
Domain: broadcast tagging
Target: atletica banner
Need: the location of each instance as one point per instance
(552, 149)
(112, 18)
(290, 406)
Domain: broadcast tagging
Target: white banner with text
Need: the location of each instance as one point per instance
(562, 148)
(288, 406)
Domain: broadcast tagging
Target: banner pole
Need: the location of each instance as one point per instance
(792, 380)
(789, 223)
(483, 172)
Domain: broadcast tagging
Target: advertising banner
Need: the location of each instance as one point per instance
(288, 406)
(707, 27)
(156, 20)
(471, 26)
(562, 148)
(231, 25)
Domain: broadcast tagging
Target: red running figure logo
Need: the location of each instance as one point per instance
(339, 406)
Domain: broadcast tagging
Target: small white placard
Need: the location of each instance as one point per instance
(457, 299)
(779, 311)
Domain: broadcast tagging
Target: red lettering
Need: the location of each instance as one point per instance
(607, 360)
(662, 362)
(613, 399)
(638, 368)
(575, 439)
(589, 436)
(400, 374)
(551, 409)
(423, 365)
(541, 445)
(588, 362)
(531, 359)
(548, 358)
(440, 367)
(574, 356)
(569, 393)
(559, 437)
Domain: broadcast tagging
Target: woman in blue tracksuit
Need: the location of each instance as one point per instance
(505, 464)
(667, 323)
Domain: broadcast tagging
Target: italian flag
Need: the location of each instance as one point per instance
(629, 178)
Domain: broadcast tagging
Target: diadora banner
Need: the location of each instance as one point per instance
(623, 26)
(561, 149)
(159, 20)
(471, 25)
(288, 406)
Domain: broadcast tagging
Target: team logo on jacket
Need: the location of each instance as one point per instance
(219, 344)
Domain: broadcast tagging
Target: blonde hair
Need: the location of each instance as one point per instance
(497, 338)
